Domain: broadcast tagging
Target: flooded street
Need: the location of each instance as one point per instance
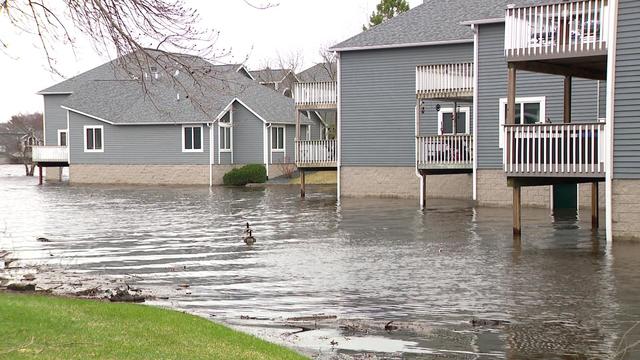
(560, 292)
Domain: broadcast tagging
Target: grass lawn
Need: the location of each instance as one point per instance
(318, 178)
(42, 327)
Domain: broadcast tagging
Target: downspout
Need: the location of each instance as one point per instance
(339, 125)
(210, 125)
(476, 56)
(421, 178)
(265, 156)
(609, 126)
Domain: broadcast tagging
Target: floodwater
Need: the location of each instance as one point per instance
(564, 293)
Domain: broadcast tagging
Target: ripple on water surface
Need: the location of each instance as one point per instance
(562, 292)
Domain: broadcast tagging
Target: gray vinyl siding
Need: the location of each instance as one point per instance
(248, 137)
(134, 145)
(378, 101)
(627, 104)
(492, 86)
(55, 117)
(316, 127)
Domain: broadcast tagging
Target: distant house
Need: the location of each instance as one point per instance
(184, 126)
(280, 80)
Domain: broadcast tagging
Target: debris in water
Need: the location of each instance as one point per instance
(90, 292)
(43, 240)
(28, 277)
(123, 295)
(313, 318)
(21, 287)
(488, 322)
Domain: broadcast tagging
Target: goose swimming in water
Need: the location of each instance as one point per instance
(249, 239)
(248, 229)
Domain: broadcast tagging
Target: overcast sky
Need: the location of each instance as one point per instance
(293, 26)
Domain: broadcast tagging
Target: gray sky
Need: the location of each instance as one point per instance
(293, 26)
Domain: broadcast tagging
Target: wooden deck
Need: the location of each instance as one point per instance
(316, 154)
(445, 154)
(316, 96)
(445, 81)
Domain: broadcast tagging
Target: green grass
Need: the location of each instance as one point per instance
(42, 327)
(318, 178)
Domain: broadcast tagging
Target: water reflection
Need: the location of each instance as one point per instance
(561, 292)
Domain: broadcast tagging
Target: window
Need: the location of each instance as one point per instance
(277, 138)
(192, 139)
(446, 124)
(224, 137)
(62, 137)
(93, 138)
(528, 111)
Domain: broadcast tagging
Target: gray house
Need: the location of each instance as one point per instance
(428, 105)
(189, 124)
(280, 80)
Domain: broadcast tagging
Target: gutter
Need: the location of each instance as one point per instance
(399, 46)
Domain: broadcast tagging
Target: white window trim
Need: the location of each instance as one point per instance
(66, 132)
(308, 131)
(84, 136)
(542, 100)
(221, 126)
(284, 139)
(201, 139)
(465, 110)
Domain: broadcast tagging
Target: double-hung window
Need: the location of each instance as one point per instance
(192, 138)
(225, 137)
(529, 110)
(277, 138)
(447, 125)
(62, 137)
(93, 138)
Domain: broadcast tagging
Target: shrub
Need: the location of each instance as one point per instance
(254, 173)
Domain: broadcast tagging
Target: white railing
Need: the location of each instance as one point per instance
(557, 29)
(447, 151)
(444, 80)
(321, 94)
(50, 153)
(320, 153)
(549, 149)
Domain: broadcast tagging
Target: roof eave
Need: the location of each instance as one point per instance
(54, 92)
(398, 46)
(483, 21)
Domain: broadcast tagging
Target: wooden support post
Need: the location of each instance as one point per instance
(39, 174)
(517, 215)
(567, 99)
(424, 191)
(511, 95)
(303, 191)
(595, 206)
(297, 125)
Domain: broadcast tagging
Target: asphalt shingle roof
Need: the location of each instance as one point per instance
(270, 75)
(110, 93)
(431, 22)
(323, 72)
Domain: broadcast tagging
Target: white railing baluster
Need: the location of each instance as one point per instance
(320, 94)
(50, 154)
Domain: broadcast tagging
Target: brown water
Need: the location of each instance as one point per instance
(565, 294)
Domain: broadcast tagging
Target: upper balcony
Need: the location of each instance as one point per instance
(445, 81)
(50, 155)
(316, 95)
(445, 154)
(563, 30)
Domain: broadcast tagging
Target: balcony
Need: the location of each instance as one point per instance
(568, 29)
(445, 81)
(316, 154)
(316, 96)
(50, 155)
(445, 154)
(574, 150)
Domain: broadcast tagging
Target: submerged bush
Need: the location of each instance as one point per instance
(254, 173)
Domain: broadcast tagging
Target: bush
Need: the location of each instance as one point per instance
(255, 174)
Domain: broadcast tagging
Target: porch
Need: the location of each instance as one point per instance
(49, 156)
(445, 81)
(316, 154)
(445, 154)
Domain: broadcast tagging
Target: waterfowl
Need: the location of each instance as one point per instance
(248, 229)
(249, 239)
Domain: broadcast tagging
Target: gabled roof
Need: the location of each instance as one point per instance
(197, 95)
(270, 75)
(431, 23)
(323, 72)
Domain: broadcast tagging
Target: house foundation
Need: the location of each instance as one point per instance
(625, 210)
(493, 191)
(140, 174)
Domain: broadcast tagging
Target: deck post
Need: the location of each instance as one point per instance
(511, 95)
(595, 205)
(517, 215)
(567, 99)
(302, 184)
(39, 174)
(297, 124)
(424, 191)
